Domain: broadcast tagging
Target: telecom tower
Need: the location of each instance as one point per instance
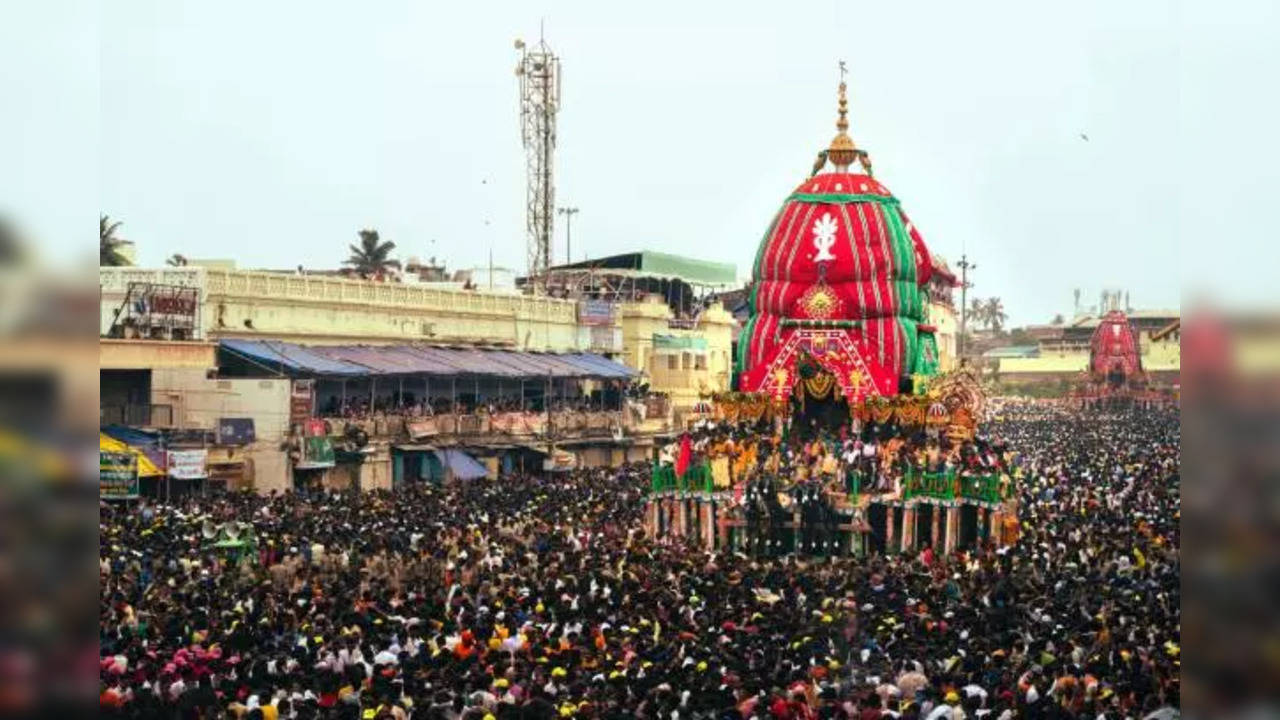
(539, 73)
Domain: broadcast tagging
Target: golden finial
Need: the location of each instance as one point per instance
(842, 152)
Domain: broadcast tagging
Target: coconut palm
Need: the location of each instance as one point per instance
(995, 314)
(372, 256)
(177, 260)
(109, 253)
(977, 314)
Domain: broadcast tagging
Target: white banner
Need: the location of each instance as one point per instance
(188, 464)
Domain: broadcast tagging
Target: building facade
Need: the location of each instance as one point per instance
(684, 359)
(327, 310)
(163, 347)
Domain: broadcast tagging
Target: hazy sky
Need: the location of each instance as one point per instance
(271, 132)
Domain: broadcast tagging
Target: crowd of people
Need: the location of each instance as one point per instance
(539, 597)
(881, 456)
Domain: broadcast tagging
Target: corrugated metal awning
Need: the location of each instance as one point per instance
(295, 358)
(365, 360)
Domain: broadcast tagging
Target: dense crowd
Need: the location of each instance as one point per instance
(539, 597)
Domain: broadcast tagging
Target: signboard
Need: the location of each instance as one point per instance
(301, 401)
(235, 431)
(317, 452)
(560, 461)
(595, 312)
(179, 302)
(118, 476)
(188, 464)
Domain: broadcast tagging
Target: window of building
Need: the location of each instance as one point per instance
(673, 362)
(700, 361)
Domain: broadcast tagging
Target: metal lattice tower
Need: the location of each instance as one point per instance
(539, 73)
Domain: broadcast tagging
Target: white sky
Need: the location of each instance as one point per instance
(271, 132)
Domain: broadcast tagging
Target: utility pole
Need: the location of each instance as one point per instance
(568, 213)
(965, 266)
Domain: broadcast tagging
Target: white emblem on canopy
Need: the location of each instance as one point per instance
(824, 237)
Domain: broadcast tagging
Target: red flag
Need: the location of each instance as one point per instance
(685, 456)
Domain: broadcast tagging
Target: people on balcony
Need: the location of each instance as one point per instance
(410, 405)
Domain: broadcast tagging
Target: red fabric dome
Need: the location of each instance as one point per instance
(838, 278)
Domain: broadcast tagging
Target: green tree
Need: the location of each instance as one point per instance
(1058, 319)
(109, 243)
(995, 314)
(977, 312)
(372, 256)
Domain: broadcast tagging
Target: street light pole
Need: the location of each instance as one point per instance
(965, 266)
(568, 213)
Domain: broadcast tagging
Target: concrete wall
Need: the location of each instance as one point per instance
(199, 402)
(318, 309)
(144, 354)
(1162, 358)
(267, 468)
(1046, 364)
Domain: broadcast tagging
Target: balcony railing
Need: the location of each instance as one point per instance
(567, 425)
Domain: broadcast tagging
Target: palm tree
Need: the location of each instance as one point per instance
(372, 256)
(109, 244)
(977, 312)
(995, 314)
(177, 260)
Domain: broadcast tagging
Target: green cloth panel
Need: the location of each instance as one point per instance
(904, 259)
(744, 341)
(838, 198)
(910, 348)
